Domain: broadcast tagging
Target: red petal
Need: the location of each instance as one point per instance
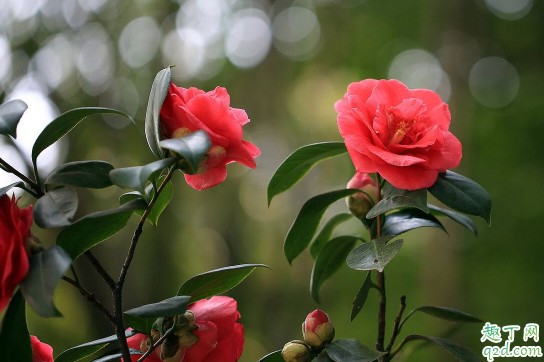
(437, 111)
(446, 158)
(207, 342)
(408, 178)
(387, 93)
(394, 159)
(210, 178)
(219, 310)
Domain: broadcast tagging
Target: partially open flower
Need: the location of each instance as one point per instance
(318, 329)
(360, 203)
(296, 351)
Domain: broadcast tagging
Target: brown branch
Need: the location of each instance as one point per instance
(90, 297)
(100, 269)
(396, 329)
(381, 284)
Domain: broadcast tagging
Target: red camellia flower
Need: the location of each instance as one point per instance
(220, 335)
(188, 110)
(41, 352)
(14, 230)
(400, 133)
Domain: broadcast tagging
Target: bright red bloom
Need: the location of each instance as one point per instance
(400, 133)
(221, 336)
(188, 110)
(41, 352)
(14, 230)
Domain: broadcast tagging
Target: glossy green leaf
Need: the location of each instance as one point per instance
(216, 281)
(399, 199)
(375, 254)
(87, 349)
(460, 353)
(323, 357)
(167, 308)
(272, 357)
(87, 174)
(307, 221)
(191, 149)
(14, 337)
(117, 356)
(142, 325)
(361, 297)
(455, 216)
(402, 221)
(325, 234)
(137, 177)
(445, 313)
(160, 205)
(329, 260)
(38, 287)
(462, 194)
(5, 189)
(63, 124)
(10, 115)
(298, 163)
(158, 93)
(95, 228)
(351, 350)
(56, 208)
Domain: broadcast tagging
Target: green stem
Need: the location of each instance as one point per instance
(38, 192)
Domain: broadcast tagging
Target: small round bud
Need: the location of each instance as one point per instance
(318, 329)
(359, 204)
(296, 351)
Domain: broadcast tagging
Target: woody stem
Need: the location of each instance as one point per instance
(381, 285)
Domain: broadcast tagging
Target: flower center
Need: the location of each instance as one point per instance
(401, 129)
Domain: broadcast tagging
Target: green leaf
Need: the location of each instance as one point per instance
(362, 295)
(10, 115)
(130, 196)
(95, 228)
(86, 349)
(298, 163)
(87, 174)
(158, 93)
(323, 357)
(326, 232)
(445, 313)
(396, 199)
(191, 148)
(5, 189)
(117, 356)
(375, 254)
(14, 337)
(402, 221)
(162, 202)
(307, 221)
(56, 208)
(272, 357)
(137, 177)
(63, 124)
(166, 308)
(142, 325)
(38, 287)
(351, 350)
(462, 194)
(216, 281)
(455, 216)
(329, 260)
(460, 353)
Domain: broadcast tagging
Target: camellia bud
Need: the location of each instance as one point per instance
(359, 204)
(296, 351)
(318, 329)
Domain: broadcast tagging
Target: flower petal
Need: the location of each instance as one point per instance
(207, 342)
(446, 158)
(213, 176)
(437, 110)
(408, 178)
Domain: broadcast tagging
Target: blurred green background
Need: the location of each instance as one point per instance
(286, 63)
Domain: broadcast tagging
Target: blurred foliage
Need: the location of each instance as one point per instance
(497, 277)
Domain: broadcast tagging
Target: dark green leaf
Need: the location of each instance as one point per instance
(402, 221)
(162, 202)
(63, 124)
(137, 177)
(362, 295)
(10, 115)
(86, 349)
(46, 270)
(375, 254)
(298, 163)
(326, 232)
(272, 357)
(5, 189)
(117, 356)
(462, 194)
(307, 221)
(455, 216)
(399, 199)
(323, 357)
(167, 308)
(14, 337)
(158, 93)
(351, 350)
(216, 281)
(88, 174)
(191, 148)
(460, 353)
(95, 228)
(448, 314)
(130, 196)
(329, 260)
(56, 208)
(142, 325)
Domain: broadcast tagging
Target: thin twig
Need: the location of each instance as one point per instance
(90, 297)
(381, 284)
(24, 178)
(156, 344)
(100, 269)
(396, 329)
